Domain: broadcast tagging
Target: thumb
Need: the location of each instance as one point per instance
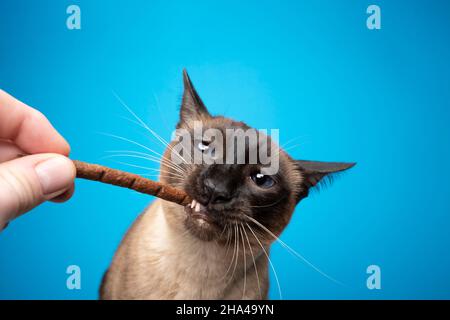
(26, 182)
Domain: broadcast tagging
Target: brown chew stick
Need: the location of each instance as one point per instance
(132, 181)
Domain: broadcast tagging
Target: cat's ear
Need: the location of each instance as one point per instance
(315, 171)
(192, 106)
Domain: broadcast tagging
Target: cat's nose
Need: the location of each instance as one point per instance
(217, 191)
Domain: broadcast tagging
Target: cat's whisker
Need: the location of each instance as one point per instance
(223, 230)
(158, 176)
(268, 258)
(237, 253)
(254, 262)
(158, 157)
(284, 145)
(292, 251)
(147, 156)
(153, 133)
(131, 165)
(294, 146)
(228, 244)
(232, 258)
(141, 167)
(160, 112)
(157, 136)
(139, 120)
(151, 174)
(132, 121)
(146, 168)
(130, 151)
(142, 146)
(164, 172)
(218, 238)
(130, 141)
(156, 160)
(245, 261)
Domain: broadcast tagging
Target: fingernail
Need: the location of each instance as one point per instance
(55, 174)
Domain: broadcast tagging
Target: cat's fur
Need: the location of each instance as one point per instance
(170, 253)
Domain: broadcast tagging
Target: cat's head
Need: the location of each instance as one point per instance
(233, 198)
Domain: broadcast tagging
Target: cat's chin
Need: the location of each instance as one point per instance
(200, 224)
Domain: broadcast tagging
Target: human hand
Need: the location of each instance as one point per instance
(45, 174)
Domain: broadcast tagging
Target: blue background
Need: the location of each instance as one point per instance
(310, 68)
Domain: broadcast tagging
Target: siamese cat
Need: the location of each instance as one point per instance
(218, 246)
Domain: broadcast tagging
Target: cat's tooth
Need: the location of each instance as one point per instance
(193, 203)
(197, 207)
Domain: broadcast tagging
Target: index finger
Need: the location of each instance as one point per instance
(28, 128)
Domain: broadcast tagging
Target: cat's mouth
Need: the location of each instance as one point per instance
(200, 222)
(207, 224)
(198, 213)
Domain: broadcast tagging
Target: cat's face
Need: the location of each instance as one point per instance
(234, 199)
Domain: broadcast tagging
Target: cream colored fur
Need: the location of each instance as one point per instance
(160, 259)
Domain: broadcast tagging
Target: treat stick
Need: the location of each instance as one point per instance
(132, 181)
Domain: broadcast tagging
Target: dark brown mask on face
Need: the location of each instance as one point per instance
(228, 195)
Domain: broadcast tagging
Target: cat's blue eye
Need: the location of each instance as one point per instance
(262, 180)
